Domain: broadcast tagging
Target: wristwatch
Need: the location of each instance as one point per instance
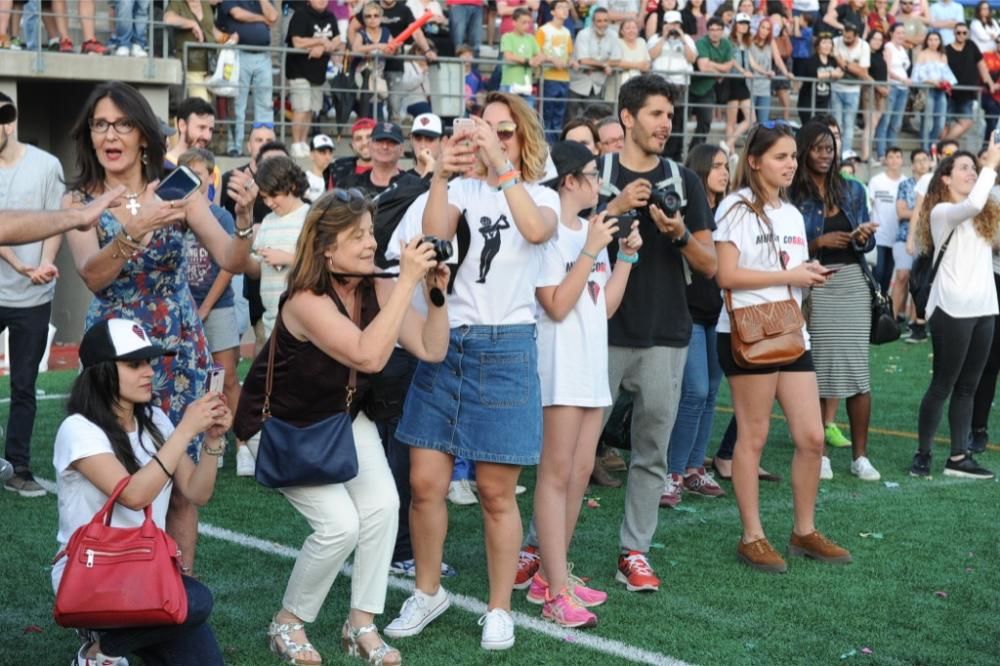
(244, 233)
(683, 240)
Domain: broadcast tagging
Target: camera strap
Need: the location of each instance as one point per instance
(673, 181)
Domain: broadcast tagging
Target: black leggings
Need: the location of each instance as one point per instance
(988, 382)
(961, 347)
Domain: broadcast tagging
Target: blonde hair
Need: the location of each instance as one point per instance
(534, 149)
(986, 222)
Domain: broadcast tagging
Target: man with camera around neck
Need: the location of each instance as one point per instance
(648, 336)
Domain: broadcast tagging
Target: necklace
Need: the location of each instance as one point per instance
(132, 201)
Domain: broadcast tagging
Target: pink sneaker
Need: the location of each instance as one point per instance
(587, 597)
(537, 591)
(566, 612)
(702, 483)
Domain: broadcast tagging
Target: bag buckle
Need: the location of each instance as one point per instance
(351, 390)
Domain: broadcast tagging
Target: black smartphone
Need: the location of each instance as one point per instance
(625, 224)
(178, 185)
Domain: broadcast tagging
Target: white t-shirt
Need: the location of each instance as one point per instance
(963, 286)
(882, 191)
(859, 54)
(922, 184)
(573, 353)
(757, 249)
(672, 64)
(279, 233)
(495, 285)
(316, 186)
(79, 499)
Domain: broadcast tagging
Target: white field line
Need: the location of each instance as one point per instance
(54, 396)
(604, 645)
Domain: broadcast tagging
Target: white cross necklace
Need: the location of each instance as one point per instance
(133, 204)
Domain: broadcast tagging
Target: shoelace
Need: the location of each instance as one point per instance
(525, 559)
(504, 620)
(639, 564)
(411, 607)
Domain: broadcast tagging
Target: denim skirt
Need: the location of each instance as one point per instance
(483, 402)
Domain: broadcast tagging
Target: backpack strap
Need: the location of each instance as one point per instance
(674, 180)
(609, 174)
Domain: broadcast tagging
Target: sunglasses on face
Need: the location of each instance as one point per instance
(505, 130)
(960, 33)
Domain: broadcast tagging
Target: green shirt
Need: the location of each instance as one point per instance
(702, 85)
(523, 46)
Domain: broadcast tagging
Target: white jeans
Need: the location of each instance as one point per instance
(359, 516)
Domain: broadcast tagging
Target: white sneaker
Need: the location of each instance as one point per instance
(123, 51)
(138, 52)
(498, 630)
(246, 464)
(864, 470)
(99, 659)
(417, 612)
(825, 471)
(299, 149)
(460, 492)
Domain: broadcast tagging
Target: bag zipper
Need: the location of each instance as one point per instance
(90, 553)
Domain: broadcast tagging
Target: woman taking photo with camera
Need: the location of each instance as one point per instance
(483, 402)
(958, 223)
(761, 244)
(331, 320)
(113, 431)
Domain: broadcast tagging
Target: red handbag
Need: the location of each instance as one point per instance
(120, 576)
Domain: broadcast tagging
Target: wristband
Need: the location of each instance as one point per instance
(510, 175)
(587, 254)
(628, 259)
(505, 169)
(163, 467)
(508, 184)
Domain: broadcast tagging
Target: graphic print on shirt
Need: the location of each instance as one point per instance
(490, 231)
(594, 290)
(322, 32)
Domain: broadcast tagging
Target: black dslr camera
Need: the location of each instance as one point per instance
(442, 248)
(666, 200)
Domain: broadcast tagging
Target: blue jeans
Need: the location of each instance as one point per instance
(762, 107)
(255, 74)
(696, 410)
(530, 99)
(131, 23)
(844, 107)
(30, 23)
(466, 24)
(890, 122)
(553, 94)
(933, 121)
(189, 644)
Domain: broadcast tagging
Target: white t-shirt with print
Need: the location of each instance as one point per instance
(317, 186)
(922, 184)
(573, 353)
(79, 499)
(883, 190)
(757, 245)
(495, 285)
(279, 233)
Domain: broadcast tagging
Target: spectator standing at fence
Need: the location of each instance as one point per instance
(466, 23)
(654, 20)
(695, 13)
(556, 44)
(506, 10)
(915, 17)
(879, 94)
(193, 22)
(635, 53)
(880, 19)
(853, 56)
(736, 87)
(802, 41)
(764, 60)
(252, 21)
(715, 56)
(521, 54)
(673, 54)
(852, 12)
(29, 179)
(984, 29)
(314, 29)
(596, 52)
(945, 16)
(131, 33)
(967, 64)
(372, 40)
(59, 23)
(930, 68)
(897, 64)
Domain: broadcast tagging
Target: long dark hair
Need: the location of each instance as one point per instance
(700, 161)
(89, 177)
(94, 395)
(761, 138)
(803, 186)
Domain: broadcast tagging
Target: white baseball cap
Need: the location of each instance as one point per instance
(427, 124)
(321, 141)
(672, 16)
(117, 340)
(743, 18)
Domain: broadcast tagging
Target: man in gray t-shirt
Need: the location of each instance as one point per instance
(30, 179)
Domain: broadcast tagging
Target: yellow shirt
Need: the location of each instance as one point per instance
(555, 42)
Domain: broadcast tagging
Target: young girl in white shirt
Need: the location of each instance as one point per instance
(962, 304)
(578, 292)
(760, 242)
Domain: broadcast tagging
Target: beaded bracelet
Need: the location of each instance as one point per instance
(628, 259)
(213, 451)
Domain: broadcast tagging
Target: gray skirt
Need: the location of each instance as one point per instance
(839, 328)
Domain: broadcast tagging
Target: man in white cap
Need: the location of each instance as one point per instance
(320, 154)
(425, 140)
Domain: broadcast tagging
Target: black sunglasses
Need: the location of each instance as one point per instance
(354, 198)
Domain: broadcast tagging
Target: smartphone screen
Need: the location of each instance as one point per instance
(218, 379)
(462, 125)
(178, 185)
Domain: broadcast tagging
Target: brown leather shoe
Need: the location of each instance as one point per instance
(613, 461)
(602, 477)
(818, 547)
(761, 555)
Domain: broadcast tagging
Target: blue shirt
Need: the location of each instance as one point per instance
(853, 204)
(907, 193)
(201, 269)
(802, 46)
(251, 34)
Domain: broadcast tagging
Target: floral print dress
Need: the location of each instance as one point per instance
(153, 290)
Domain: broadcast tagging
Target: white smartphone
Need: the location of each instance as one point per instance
(218, 379)
(179, 184)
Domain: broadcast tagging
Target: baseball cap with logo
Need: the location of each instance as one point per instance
(387, 131)
(743, 18)
(118, 340)
(427, 124)
(322, 142)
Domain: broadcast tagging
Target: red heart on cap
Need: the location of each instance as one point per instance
(138, 331)
(425, 121)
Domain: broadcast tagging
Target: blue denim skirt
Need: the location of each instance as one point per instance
(483, 402)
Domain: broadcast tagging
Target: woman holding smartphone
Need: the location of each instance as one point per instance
(757, 272)
(839, 234)
(483, 402)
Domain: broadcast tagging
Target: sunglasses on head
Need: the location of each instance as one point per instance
(505, 130)
(262, 123)
(354, 198)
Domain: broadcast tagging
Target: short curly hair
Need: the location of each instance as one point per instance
(281, 175)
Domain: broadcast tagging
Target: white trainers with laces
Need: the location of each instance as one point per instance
(460, 492)
(498, 630)
(825, 471)
(864, 470)
(417, 612)
(246, 465)
(137, 51)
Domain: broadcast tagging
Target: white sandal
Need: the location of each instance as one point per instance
(289, 650)
(383, 655)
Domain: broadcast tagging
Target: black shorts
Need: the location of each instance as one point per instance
(733, 90)
(803, 363)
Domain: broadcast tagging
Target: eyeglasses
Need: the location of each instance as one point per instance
(596, 175)
(258, 124)
(121, 126)
(505, 130)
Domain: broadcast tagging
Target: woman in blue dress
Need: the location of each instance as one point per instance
(133, 261)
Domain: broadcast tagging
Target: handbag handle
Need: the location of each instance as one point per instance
(104, 515)
(352, 381)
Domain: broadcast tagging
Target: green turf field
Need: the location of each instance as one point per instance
(924, 587)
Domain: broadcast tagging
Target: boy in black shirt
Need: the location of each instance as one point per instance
(312, 28)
